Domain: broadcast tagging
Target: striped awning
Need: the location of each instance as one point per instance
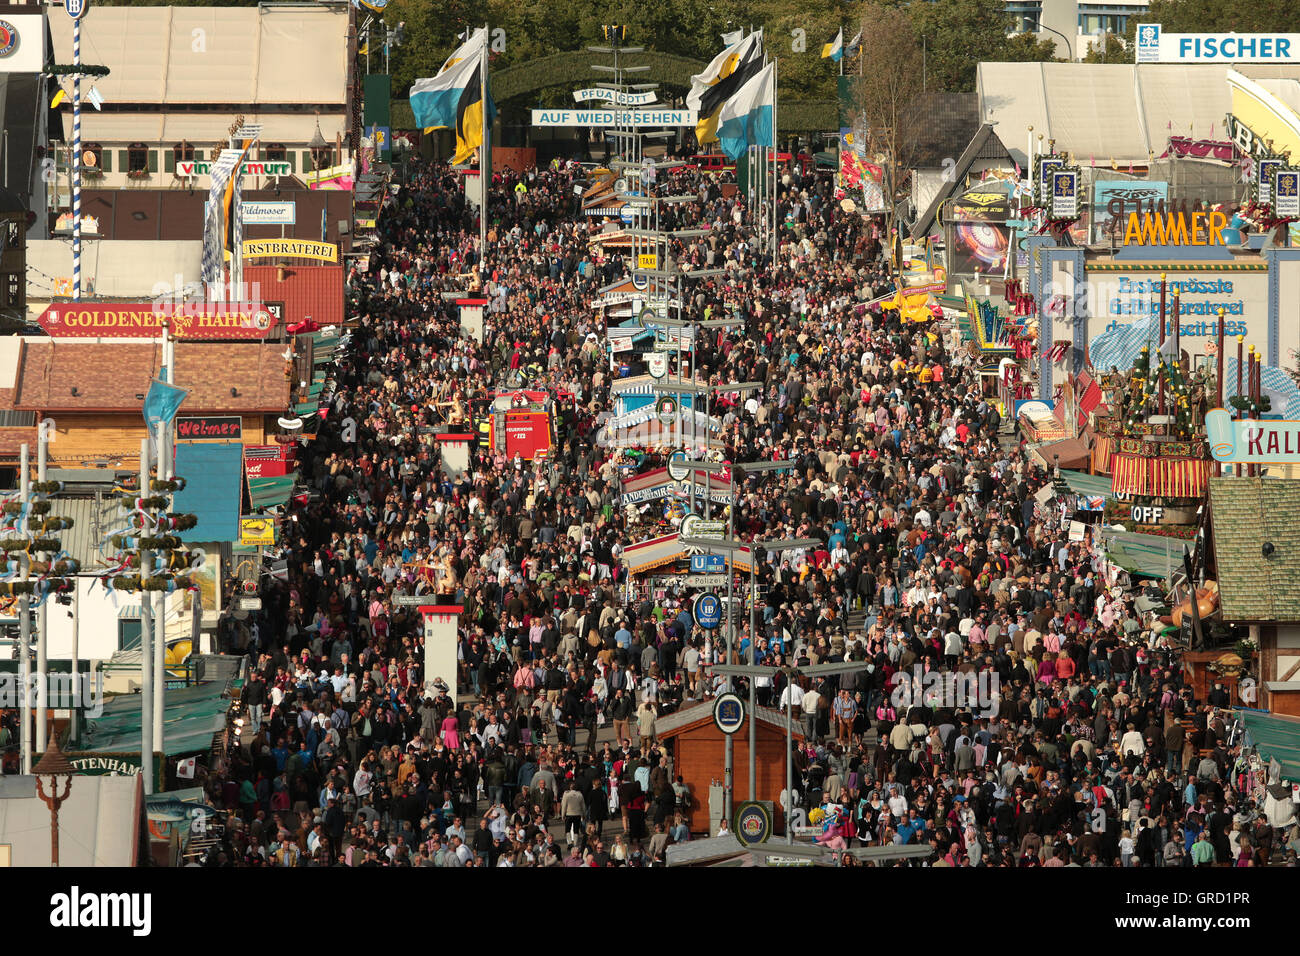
(653, 553)
(603, 210)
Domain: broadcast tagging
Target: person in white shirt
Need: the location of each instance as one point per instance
(792, 695)
(1132, 742)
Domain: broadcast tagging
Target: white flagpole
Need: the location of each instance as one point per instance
(775, 71)
(484, 161)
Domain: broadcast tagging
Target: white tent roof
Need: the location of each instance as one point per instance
(1104, 111)
(241, 55)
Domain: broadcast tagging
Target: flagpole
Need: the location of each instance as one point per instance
(775, 71)
(76, 161)
(484, 161)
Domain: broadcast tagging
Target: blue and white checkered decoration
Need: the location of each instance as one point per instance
(1119, 347)
(1274, 382)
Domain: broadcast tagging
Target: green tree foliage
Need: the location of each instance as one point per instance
(1110, 50)
(961, 34)
(1222, 16)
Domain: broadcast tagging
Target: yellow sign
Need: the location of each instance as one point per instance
(647, 260)
(255, 532)
(1175, 229)
(290, 248)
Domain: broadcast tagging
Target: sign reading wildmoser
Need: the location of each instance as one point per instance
(208, 426)
(290, 248)
(144, 319)
(77, 910)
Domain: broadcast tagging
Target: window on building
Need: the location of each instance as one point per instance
(1099, 19)
(184, 152)
(275, 152)
(14, 419)
(137, 158)
(1026, 15)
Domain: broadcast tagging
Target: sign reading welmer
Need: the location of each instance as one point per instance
(143, 319)
(290, 248)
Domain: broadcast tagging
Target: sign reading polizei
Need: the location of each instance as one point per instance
(212, 320)
(208, 426)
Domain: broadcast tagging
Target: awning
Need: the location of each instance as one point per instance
(1070, 450)
(603, 210)
(1150, 555)
(1276, 737)
(270, 492)
(653, 553)
(191, 716)
(1082, 483)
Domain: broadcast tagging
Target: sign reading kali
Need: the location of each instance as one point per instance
(629, 118)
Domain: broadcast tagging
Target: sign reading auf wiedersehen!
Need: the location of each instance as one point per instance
(628, 118)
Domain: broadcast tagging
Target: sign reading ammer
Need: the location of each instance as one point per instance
(290, 248)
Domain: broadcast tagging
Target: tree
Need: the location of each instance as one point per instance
(1111, 49)
(1222, 16)
(961, 34)
(888, 96)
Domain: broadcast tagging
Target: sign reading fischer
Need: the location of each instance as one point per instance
(213, 320)
(290, 248)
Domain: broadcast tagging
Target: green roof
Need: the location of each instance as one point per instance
(1150, 555)
(191, 715)
(1276, 738)
(271, 491)
(1246, 513)
(1082, 483)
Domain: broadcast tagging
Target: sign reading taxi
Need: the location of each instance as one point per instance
(119, 320)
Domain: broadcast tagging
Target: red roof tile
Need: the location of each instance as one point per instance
(315, 291)
(109, 376)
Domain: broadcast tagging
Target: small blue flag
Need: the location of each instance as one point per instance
(161, 403)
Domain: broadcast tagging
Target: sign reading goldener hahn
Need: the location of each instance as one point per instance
(213, 320)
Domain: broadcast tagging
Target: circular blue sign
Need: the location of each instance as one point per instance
(707, 611)
(626, 215)
(753, 823)
(729, 713)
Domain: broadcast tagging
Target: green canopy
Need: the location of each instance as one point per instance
(1082, 483)
(1277, 738)
(1150, 555)
(191, 716)
(272, 491)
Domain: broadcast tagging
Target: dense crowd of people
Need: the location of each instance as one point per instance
(1081, 745)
